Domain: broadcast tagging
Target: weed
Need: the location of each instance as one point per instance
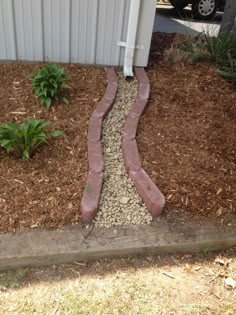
(195, 309)
(48, 83)
(175, 55)
(12, 279)
(25, 138)
(73, 304)
(227, 309)
(204, 251)
(115, 301)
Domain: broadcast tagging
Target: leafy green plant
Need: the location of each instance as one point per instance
(25, 138)
(48, 83)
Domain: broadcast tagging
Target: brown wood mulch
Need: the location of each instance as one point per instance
(46, 191)
(187, 139)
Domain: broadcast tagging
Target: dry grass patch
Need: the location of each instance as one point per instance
(185, 285)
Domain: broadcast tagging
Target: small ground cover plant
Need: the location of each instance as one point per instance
(23, 139)
(48, 84)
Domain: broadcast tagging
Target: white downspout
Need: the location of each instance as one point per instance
(131, 38)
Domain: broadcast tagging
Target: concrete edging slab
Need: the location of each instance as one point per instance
(37, 248)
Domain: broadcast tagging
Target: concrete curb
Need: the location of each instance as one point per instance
(93, 187)
(37, 248)
(149, 192)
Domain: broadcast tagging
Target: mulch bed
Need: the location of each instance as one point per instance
(46, 191)
(187, 138)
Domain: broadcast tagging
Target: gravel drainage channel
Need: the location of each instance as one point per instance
(120, 203)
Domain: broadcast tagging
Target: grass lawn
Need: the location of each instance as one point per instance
(180, 284)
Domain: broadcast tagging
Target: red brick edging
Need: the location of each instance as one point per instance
(149, 192)
(92, 191)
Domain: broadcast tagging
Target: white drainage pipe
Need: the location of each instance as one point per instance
(131, 38)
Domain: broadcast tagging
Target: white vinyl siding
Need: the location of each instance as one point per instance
(78, 31)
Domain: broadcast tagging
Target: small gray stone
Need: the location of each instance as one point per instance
(124, 200)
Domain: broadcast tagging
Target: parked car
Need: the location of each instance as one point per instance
(201, 9)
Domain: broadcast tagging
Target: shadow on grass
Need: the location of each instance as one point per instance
(101, 268)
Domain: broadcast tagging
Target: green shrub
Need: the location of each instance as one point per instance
(25, 138)
(48, 84)
(208, 48)
(218, 48)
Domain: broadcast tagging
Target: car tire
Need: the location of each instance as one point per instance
(179, 4)
(204, 9)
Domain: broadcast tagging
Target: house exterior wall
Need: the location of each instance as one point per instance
(78, 31)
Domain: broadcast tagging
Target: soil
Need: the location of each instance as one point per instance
(187, 139)
(46, 190)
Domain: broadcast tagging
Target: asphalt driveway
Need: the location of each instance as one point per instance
(169, 21)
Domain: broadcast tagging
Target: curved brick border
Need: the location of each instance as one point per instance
(92, 191)
(149, 192)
